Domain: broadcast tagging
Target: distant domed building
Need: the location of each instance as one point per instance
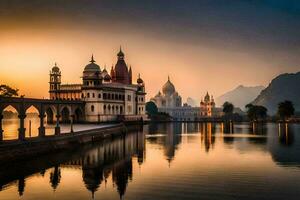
(107, 96)
(169, 98)
(169, 101)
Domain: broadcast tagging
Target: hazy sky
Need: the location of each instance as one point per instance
(209, 45)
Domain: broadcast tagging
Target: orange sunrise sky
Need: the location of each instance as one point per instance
(200, 49)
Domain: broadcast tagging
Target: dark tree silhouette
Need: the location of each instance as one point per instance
(151, 108)
(255, 112)
(6, 91)
(228, 108)
(285, 109)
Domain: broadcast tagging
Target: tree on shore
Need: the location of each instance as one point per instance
(255, 112)
(151, 108)
(228, 108)
(7, 91)
(285, 109)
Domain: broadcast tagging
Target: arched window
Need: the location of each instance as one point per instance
(99, 96)
(93, 95)
(82, 96)
(88, 95)
(108, 109)
(92, 108)
(104, 109)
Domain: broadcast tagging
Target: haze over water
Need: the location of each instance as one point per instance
(167, 161)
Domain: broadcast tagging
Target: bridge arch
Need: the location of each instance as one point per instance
(32, 120)
(78, 115)
(50, 112)
(65, 114)
(9, 123)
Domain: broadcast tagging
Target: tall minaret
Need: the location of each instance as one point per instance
(130, 75)
(54, 83)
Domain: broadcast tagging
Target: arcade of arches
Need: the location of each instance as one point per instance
(41, 112)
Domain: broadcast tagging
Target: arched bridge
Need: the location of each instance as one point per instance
(56, 110)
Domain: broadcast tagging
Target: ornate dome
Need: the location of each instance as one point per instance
(168, 88)
(55, 68)
(92, 67)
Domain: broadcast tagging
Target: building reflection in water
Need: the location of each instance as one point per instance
(170, 142)
(207, 131)
(98, 162)
(113, 158)
(227, 127)
(173, 136)
(21, 186)
(258, 129)
(285, 134)
(55, 176)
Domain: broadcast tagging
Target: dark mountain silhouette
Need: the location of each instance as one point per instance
(283, 87)
(240, 96)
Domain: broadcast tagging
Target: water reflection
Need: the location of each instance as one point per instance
(113, 162)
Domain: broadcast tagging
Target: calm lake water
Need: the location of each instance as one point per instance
(167, 161)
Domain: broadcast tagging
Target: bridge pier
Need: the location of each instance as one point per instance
(72, 121)
(57, 127)
(1, 130)
(22, 128)
(42, 127)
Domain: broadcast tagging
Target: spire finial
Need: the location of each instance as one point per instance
(55, 64)
(168, 78)
(92, 59)
(139, 75)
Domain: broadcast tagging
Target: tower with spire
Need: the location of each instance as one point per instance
(207, 106)
(54, 82)
(121, 72)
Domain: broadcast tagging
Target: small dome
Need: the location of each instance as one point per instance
(158, 94)
(55, 68)
(120, 54)
(139, 80)
(168, 88)
(105, 75)
(207, 98)
(92, 67)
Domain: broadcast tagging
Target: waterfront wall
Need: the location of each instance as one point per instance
(18, 150)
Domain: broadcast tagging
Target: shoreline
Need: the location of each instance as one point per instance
(31, 147)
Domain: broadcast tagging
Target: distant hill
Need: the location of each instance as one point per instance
(240, 96)
(283, 87)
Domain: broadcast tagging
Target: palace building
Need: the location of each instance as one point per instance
(207, 106)
(169, 101)
(107, 96)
